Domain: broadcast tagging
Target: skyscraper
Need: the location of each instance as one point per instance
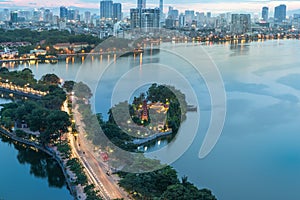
(161, 7)
(141, 4)
(150, 18)
(87, 17)
(14, 17)
(145, 18)
(265, 13)
(135, 18)
(48, 16)
(208, 14)
(117, 11)
(71, 14)
(189, 16)
(280, 13)
(240, 23)
(63, 12)
(181, 20)
(106, 9)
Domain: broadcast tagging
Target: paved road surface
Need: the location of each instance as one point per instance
(106, 184)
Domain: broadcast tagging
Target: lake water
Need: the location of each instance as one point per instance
(258, 153)
(26, 174)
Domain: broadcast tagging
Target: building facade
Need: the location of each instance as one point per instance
(240, 23)
(280, 13)
(145, 18)
(117, 11)
(141, 4)
(265, 13)
(63, 12)
(106, 9)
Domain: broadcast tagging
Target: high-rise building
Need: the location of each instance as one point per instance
(106, 9)
(173, 14)
(37, 15)
(161, 8)
(208, 14)
(150, 18)
(280, 13)
(117, 11)
(48, 15)
(71, 14)
(141, 4)
(145, 18)
(240, 23)
(14, 17)
(87, 17)
(181, 20)
(189, 16)
(63, 12)
(265, 13)
(135, 18)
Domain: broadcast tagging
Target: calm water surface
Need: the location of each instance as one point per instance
(26, 174)
(258, 153)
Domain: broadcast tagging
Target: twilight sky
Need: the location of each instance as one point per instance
(215, 6)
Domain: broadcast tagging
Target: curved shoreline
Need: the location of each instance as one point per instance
(49, 152)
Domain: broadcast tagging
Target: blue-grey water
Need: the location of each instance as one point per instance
(258, 153)
(26, 174)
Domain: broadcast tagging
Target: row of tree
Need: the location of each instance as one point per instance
(25, 78)
(49, 37)
(162, 184)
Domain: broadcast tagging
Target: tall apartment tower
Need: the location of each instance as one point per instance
(144, 18)
(240, 23)
(265, 13)
(280, 13)
(117, 11)
(161, 8)
(106, 9)
(63, 12)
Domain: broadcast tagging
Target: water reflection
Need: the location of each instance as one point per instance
(239, 49)
(41, 165)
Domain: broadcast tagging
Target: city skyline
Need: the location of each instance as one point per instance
(215, 7)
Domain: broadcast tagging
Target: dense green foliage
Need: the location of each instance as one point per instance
(50, 79)
(90, 192)
(50, 123)
(43, 115)
(68, 86)
(76, 167)
(159, 184)
(50, 37)
(162, 184)
(24, 78)
(176, 100)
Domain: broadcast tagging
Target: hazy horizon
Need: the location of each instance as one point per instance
(217, 6)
